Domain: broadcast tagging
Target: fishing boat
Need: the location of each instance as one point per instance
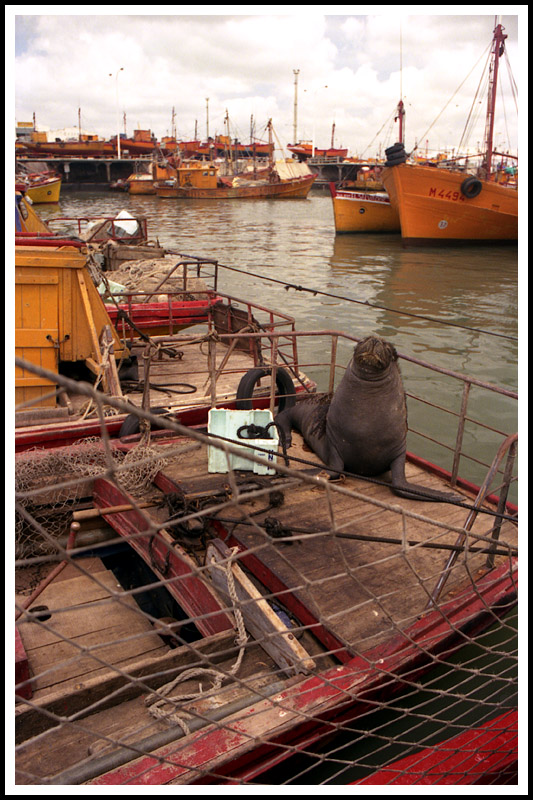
(143, 182)
(43, 187)
(228, 617)
(449, 205)
(88, 147)
(305, 150)
(203, 180)
(142, 143)
(27, 221)
(362, 205)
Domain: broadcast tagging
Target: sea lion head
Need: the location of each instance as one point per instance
(373, 355)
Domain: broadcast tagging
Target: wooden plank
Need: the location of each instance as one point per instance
(39, 280)
(35, 337)
(22, 668)
(61, 665)
(264, 625)
(110, 689)
(83, 616)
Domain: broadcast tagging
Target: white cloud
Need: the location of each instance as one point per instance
(245, 63)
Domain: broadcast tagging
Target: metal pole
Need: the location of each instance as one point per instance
(118, 115)
(295, 124)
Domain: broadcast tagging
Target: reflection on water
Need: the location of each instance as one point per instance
(368, 279)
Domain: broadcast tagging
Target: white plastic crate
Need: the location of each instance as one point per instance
(226, 422)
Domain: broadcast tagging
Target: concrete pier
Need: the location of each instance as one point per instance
(332, 169)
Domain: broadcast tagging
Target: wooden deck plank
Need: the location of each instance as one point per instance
(84, 615)
(66, 745)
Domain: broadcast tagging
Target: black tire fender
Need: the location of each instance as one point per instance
(471, 187)
(284, 385)
(395, 160)
(395, 149)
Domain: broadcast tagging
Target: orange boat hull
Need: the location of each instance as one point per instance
(295, 187)
(364, 212)
(141, 187)
(432, 207)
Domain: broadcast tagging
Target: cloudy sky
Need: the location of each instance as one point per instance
(353, 68)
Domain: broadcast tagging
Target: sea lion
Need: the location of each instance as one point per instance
(362, 428)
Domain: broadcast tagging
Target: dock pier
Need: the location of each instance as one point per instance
(85, 172)
(331, 169)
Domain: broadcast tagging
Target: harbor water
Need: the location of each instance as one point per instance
(456, 308)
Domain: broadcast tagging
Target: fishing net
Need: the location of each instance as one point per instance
(158, 275)
(249, 629)
(49, 484)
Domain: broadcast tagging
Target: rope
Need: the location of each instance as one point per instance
(159, 699)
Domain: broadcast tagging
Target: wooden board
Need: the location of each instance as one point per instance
(87, 613)
(260, 620)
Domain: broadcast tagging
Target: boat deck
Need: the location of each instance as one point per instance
(352, 592)
(326, 598)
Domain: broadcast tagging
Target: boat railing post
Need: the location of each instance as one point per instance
(332, 365)
(274, 358)
(460, 433)
(507, 445)
(502, 502)
(212, 363)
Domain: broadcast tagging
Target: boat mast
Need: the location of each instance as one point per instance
(295, 123)
(498, 48)
(400, 117)
(270, 145)
(173, 123)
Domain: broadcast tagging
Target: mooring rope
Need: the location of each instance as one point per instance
(159, 699)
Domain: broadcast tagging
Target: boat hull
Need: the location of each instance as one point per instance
(432, 207)
(63, 149)
(47, 192)
(293, 188)
(364, 212)
(141, 187)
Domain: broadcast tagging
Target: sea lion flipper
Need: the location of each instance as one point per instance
(414, 491)
(283, 422)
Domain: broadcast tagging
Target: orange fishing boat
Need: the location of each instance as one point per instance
(143, 143)
(437, 204)
(199, 180)
(307, 150)
(203, 182)
(363, 206)
(88, 147)
(143, 182)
